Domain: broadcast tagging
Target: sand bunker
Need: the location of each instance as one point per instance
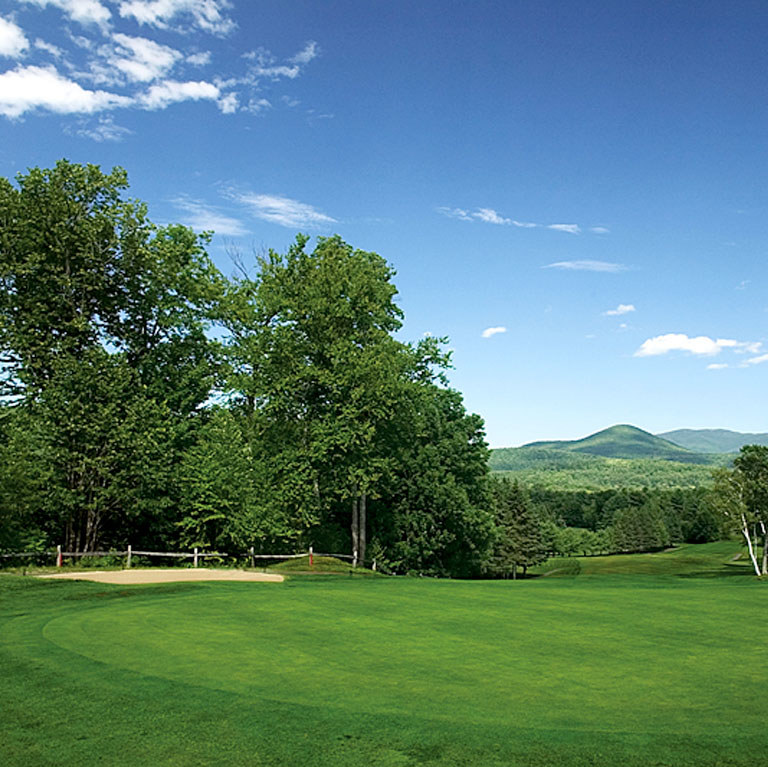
(128, 577)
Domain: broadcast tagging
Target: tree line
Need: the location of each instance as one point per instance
(147, 398)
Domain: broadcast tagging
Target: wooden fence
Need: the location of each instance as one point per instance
(196, 555)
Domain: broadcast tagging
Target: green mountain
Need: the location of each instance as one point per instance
(713, 440)
(624, 441)
(621, 456)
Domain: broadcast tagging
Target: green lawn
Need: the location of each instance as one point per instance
(666, 667)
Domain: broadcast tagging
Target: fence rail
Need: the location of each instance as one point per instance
(58, 554)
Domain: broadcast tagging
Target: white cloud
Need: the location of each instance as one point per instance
(104, 130)
(304, 56)
(267, 65)
(460, 213)
(81, 11)
(27, 88)
(206, 15)
(587, 266)
(570, 228)
(757, 360)
(168, 92)
(490, 216)
(258, 105)
(281, 210)
(142, 60)
(204, 218)
(718, 366)
(698, 345)
(49, 48)
(199, 59)
(228, 103)
(488, 332)
(13, 41)
(620, 309)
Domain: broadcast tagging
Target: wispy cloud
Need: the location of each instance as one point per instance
(267, 66)
(142, 60)
(204, 218)
(488, 332)
(13, 41)
(104, 66)
(105, 129)
(460, 213)
(587, 266)
(491, 216)
(757, 360)
(206, 15)
(599, 230)
(619, 310)
(698, 345)
(161, 95)
(281, 210)
(304, 56)
(570, 228)
(80, 11)
(718, 366)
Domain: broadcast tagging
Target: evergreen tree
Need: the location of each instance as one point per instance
(520, 541)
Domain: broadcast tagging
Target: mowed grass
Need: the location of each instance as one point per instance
(600, 669)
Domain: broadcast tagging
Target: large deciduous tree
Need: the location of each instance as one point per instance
(340, 407)
(102, 342)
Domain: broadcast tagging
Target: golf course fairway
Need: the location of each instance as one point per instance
(595, 669)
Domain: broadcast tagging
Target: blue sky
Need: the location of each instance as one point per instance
(574, 192)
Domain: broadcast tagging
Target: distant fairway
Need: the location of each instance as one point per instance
(607, 669)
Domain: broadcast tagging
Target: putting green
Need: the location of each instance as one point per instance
(588, 670)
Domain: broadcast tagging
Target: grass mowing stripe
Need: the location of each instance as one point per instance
(585, 670)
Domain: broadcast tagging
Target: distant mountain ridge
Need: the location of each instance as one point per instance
(713, 440)
(620, 456)
(623, 441)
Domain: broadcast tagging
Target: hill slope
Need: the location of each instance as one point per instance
(713, 440)
(624, 441)
(621, 456)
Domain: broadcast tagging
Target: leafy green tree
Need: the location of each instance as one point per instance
(104, 450)
(435, 513)
(319, 375)
(102, 341)
(741, 495)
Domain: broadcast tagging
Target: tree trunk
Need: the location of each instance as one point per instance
(361, 529)
(745, 530)
(765, 548)
(355, 529)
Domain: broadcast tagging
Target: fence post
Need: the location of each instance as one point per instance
(253, 559)
(195, 564)
(128, 558)
(311, 558)
(59, 559)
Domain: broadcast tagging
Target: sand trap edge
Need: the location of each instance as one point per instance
(139, 576)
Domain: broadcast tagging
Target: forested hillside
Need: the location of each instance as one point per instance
(620, 456)
(623, 441)
(713, 440)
